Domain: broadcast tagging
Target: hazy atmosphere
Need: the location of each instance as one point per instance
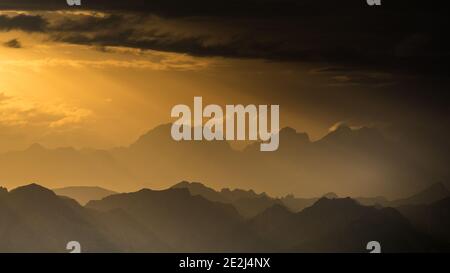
(86, 95)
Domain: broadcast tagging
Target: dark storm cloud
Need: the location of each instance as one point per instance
(90, 24)
(29, 23)
(386, 64)
(395, 52)
(226, 8)
(400, 34)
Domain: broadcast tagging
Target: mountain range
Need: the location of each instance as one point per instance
(340, 225)
(35, 219)
(349, 162)
(250, 204)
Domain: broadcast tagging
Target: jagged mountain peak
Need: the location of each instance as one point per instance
(159, 138)
(184, 184)
(197, 188)
(290, 134)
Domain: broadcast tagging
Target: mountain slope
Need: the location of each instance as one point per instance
(350, 162)
(431, 194)
(247, 203)
(196, 188)
(433, 219)
(339, 225)
(185, 222)
(84, 194)
(35, 219)
(155, 156)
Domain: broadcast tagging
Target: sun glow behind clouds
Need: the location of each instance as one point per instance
(115, 94)
(70, 95)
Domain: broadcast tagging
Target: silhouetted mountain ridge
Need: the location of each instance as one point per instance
(354, 162)
(185, 222)
(84, 194)
(248, 203)
(35, 219)
(430, 218)
(340, 225)
(433, 193)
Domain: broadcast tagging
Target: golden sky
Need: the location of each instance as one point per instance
(104, 76)
(73, 95)
(124, 72)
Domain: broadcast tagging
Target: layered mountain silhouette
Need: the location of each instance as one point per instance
(247, 202)
(340, 225)
(84, 194)
(430, 194)
(35, 219)
(430, 218)
(349, 162)
(435, 192)
(362, 160)
(187, 223)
